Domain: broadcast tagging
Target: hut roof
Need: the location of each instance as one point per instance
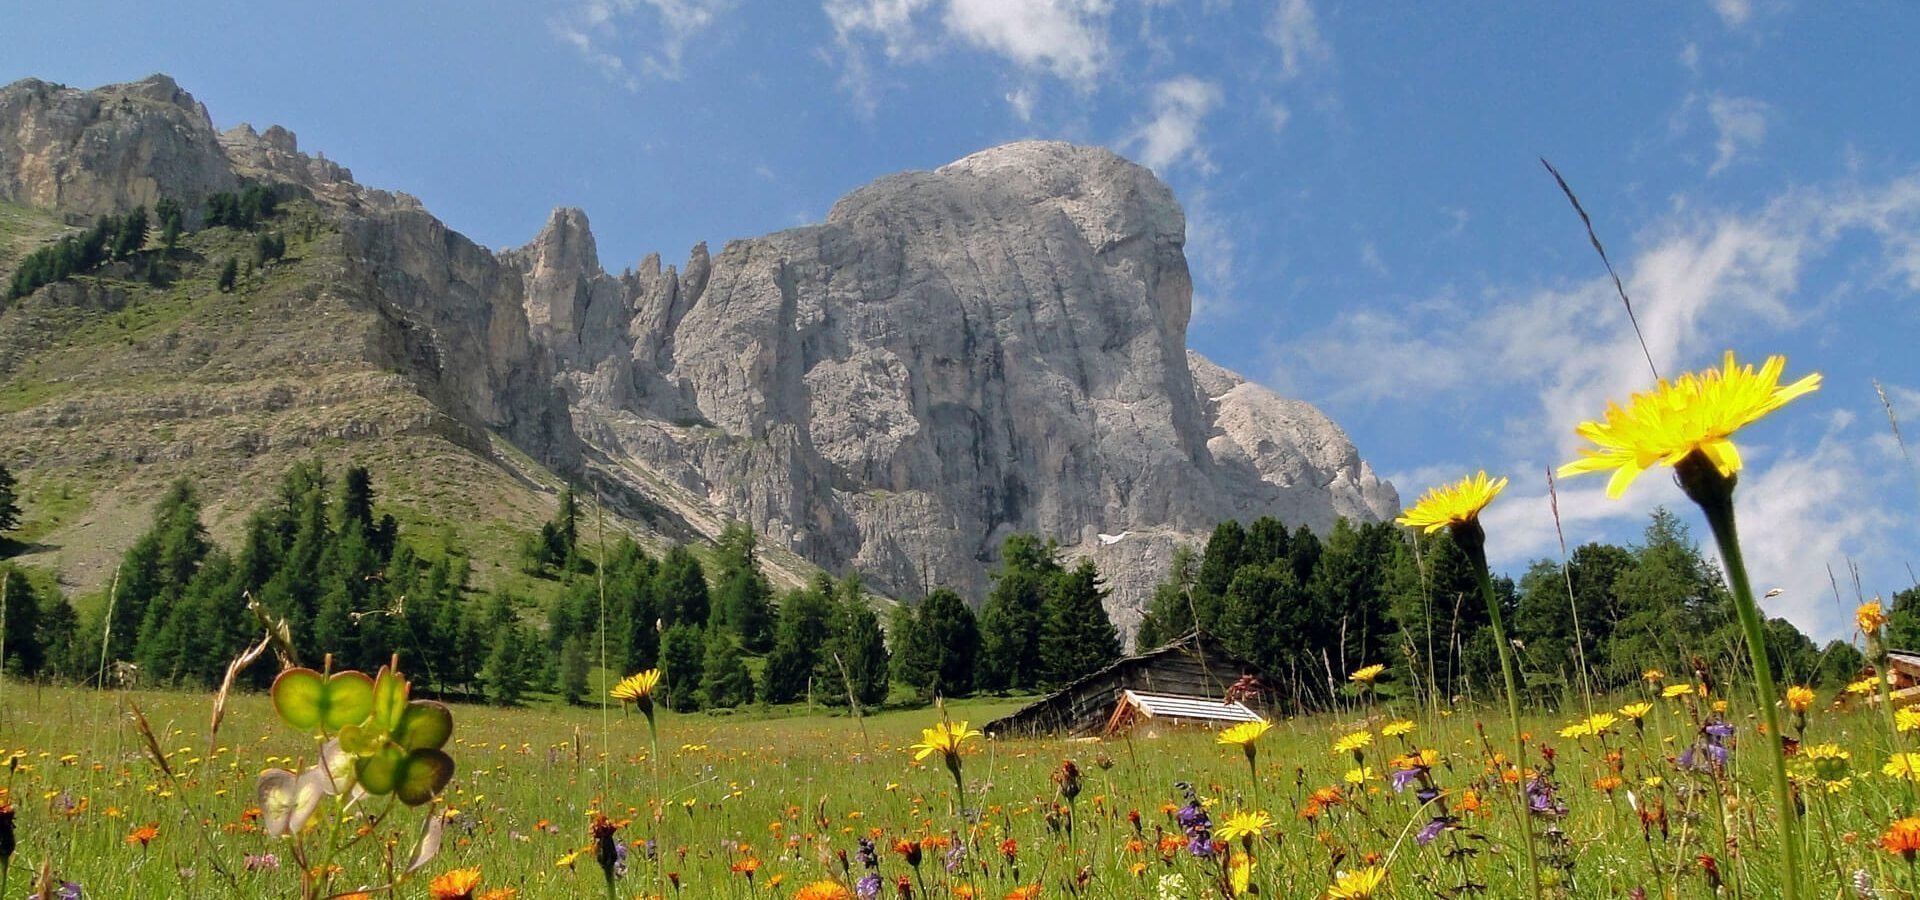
(1195, 665)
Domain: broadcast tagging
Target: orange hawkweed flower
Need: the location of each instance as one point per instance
(457, 884)
(1903, 837)
(1024, 892)
(144, 834)
(824, 890)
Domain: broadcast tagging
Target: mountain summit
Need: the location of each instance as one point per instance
(953, 356)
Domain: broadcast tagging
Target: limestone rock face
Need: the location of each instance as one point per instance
(994, 346)
(89, 153)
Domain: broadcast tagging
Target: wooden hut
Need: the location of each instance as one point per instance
(1195, 667)
(1903, 678)
(1138, 710)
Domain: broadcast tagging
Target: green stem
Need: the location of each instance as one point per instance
(1714, 494)
(1472, 540)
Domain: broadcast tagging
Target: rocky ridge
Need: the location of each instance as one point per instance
(994, 346)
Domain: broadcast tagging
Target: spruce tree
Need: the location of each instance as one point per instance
(937, 645)
(682, 589)
(1076, 635)
(506, 669)
(22, 653)
(229, 274)
(9, 502)
(575, 664)
(683, 652)
(854, 659)
(725, 680)
(806, 618)
(1010, 620)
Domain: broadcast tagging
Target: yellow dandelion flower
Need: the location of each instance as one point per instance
(456, 884)
(1653, 675)
(1871, 616)
(1396, 729)
(1677, 690)
(1360, 884)
(1906, 718)
(1902, 765)
(1576, 731)
(1598, 723)
(1799, 698)
(1864, 686)
(943, 738)
(1453, 504)
(1364, 774)
(1367, 674)
(636, 687)
(1636, 711)
(1698, 412)
(1242, 823)
(1353, 743)
(1244, 734)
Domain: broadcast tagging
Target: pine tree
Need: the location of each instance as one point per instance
(682, 589)
(1169, 612)
(505, 673)
(229, 274)
(1010, 619)
(9, 505)
(743, 598)
(854, 659)
(59, 639)
(574, 667)
(1076, 635)
(683, 651)
(806, 618)
(22, 653)
(725, 680)
(936, 645)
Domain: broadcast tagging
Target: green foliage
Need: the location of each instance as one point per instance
(725, 680)
(1076, 635)
(854, 659)
(1011, 618)
(683, 652)
(244, 210)
(805, 622)
(229, 275)
(267, 247)
(9, 501)
(743, 598)
(575, 665)
(937, 645)
(22, 651)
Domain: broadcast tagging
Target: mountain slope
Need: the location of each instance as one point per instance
(952, 356)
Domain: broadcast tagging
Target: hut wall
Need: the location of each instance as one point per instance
(1083, 707)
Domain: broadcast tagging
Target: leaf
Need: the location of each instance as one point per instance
(425, 725)
(380, 772)
(310, 701)
(423, 775)
(430, 834)
(389, 699)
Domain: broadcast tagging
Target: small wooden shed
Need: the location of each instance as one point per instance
(1903, 678)
(1138, 709)
(1195, 667)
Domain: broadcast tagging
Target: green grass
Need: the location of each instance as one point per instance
(794, 790)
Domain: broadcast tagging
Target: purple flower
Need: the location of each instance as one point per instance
(1201, 845)
(67, 891)
(620, 860)
(1427, 794)
(1722, 730)
(868, 857)
(868, 887)
(1430, 831)
(1405, 777)
(1192, 816)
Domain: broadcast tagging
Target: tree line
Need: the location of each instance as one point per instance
(1305, 609)
(113, 238)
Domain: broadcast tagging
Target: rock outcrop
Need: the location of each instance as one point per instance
(995, 346)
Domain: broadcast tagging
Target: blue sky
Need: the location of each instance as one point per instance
(1367, 221)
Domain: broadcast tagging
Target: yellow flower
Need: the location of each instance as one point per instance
(1696, 413)
(943, 738)
(1244, 734)
(1356, 885)
(1799, 698)
(1240, 874)
(1453, 504)
(1677, 690)
(1364, 774)
(1353, 743)
(1653, 675)
(1902, 765)
(1396, 729)
(1576, 731)
(1598, 723)
(1636, 711)
(824, 890)
(1864, 686)
(1243, 824)
(636, 687)
(1870, 616)
(1367, 674)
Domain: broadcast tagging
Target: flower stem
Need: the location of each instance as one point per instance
(1473, 541)
(1713, 492)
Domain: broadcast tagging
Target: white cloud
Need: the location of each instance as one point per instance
(1546, 358)
(1065, 37)
(1172, 136)
(1733, 12)
(1690, 57)
(1210, 254)
(1739, 124)
(1370, 257)
(1277, 114)
(597, 28)
(1296, 31)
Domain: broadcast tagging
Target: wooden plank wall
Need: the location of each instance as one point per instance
(1085, 707)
